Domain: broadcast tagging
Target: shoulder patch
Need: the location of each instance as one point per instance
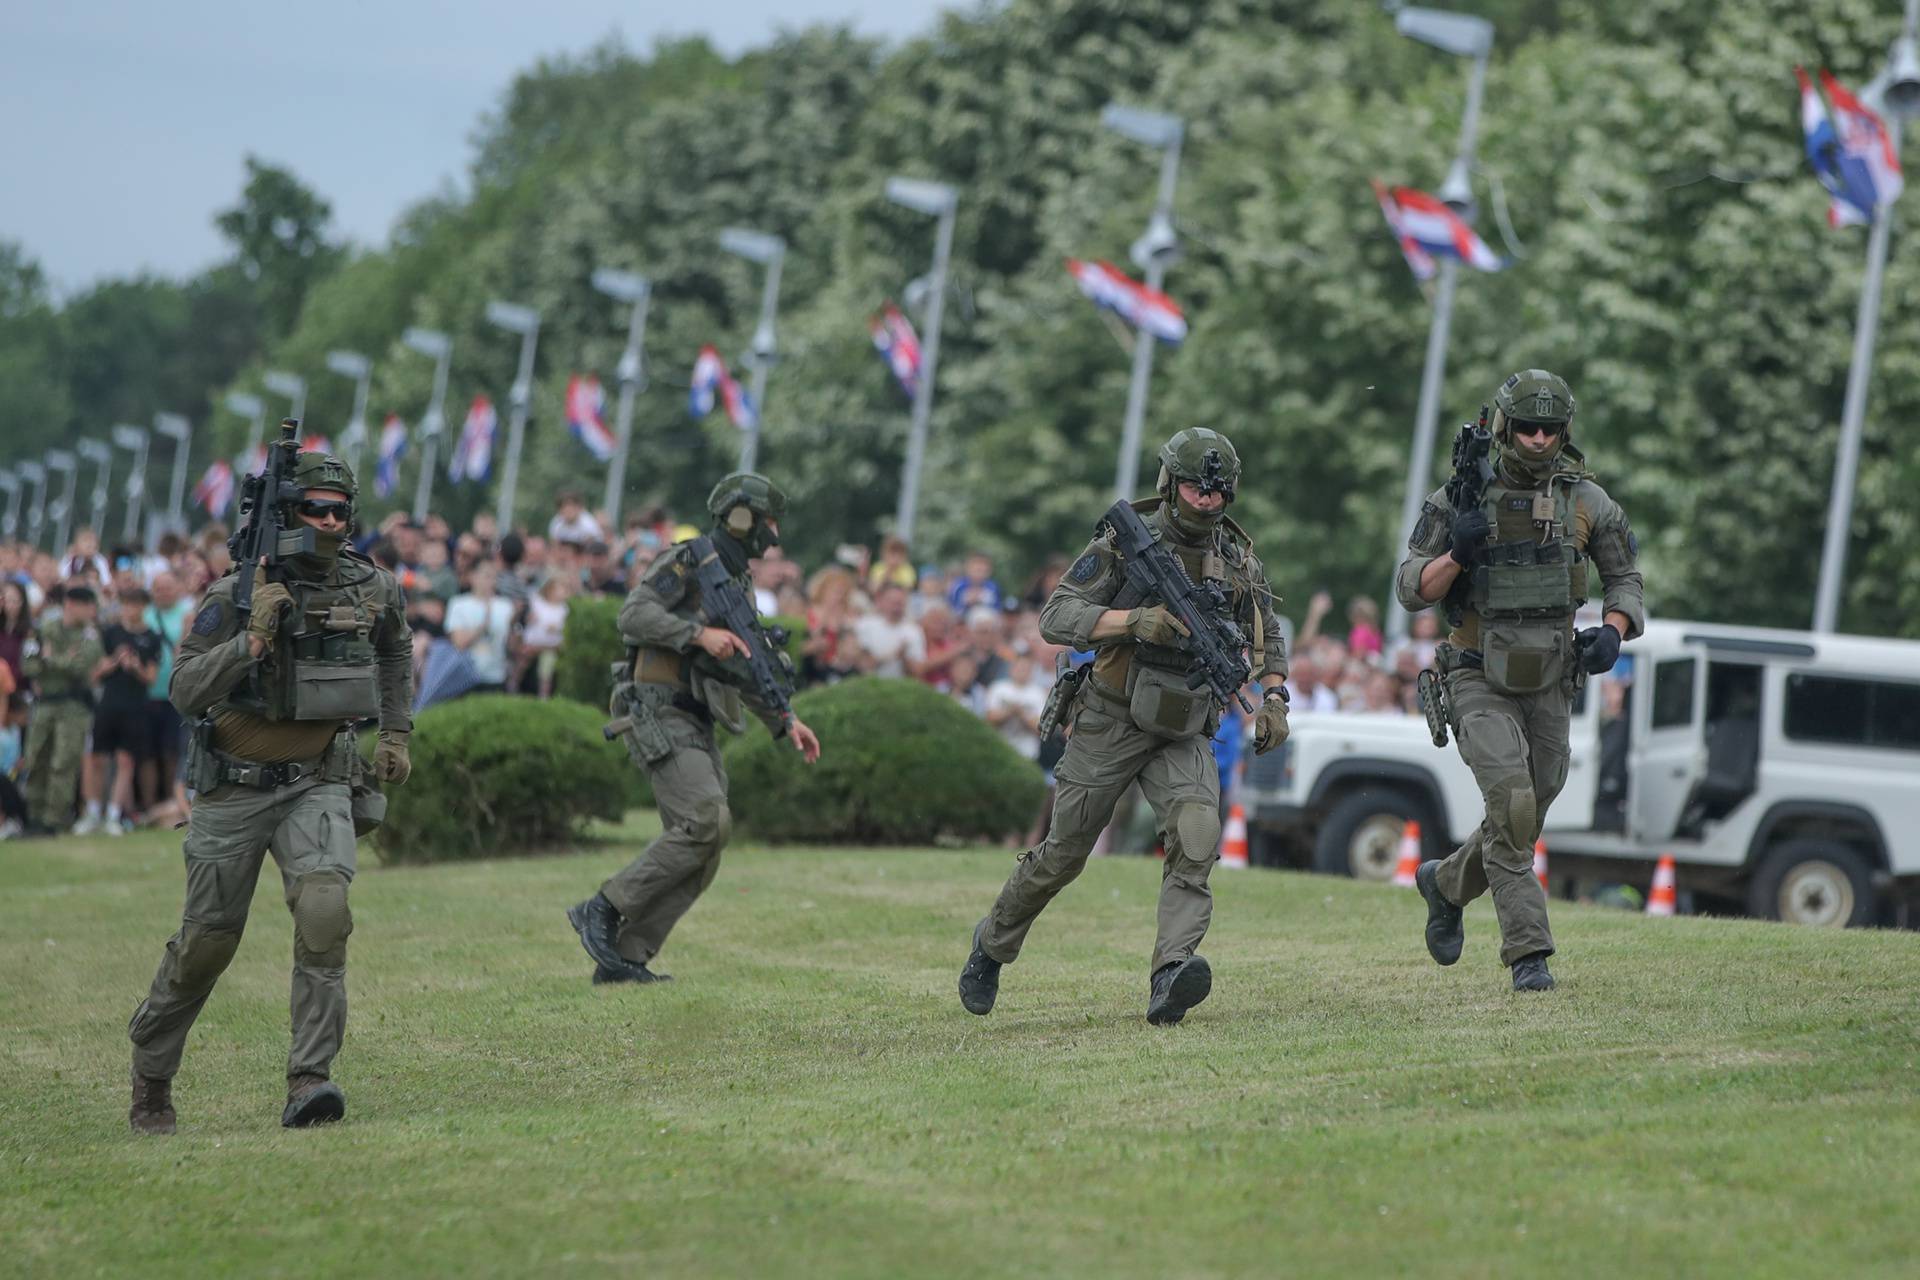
(668, 579)
(208, 620)
(1085, 569)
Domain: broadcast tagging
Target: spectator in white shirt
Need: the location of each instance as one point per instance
(1305, 690)
(480, 623)
(890, 642)
(1014, 704)
(573, 522)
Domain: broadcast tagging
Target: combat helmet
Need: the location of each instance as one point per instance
(743, 505)
(324, 471)
(1532, 395)
(1206, 459)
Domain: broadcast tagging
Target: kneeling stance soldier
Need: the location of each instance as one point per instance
(696, 650)
(275, 692)
(1148, 709)
(1506, 544)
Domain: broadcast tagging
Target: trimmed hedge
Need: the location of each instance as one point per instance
(900, 763)
(591, 644)
(495, 775)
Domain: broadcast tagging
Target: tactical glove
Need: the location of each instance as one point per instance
(1470, 530)
(1599, 648)
(1155, 625)
(270, 601)
(1270, 724)
(390, 760)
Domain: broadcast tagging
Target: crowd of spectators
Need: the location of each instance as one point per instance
(489, 611)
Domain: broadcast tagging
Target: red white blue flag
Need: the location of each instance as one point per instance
(316, 444)
(1427, 229)
(586, 416)
(1851, 152)
(711, 379)
(1147, 310)
(393, 447)
(473, 451)
(899, 346)
(215, 490)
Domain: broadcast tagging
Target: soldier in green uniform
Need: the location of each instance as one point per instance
(682, 683)
(1513, 571)
(1137, 719)
(273, 763)
(62, 668)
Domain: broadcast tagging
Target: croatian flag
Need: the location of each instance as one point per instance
(586, 409)
(899, 346)
(473, 451)
(393, 447)
(1851, 154)
(1427, 229)
(316, 444)
(1148, 310)
(710, 376)
(215, 490)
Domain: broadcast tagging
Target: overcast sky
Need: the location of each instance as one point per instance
(127, 120)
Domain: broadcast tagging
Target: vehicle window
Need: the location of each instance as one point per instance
(1673, 693)
(1871, 713)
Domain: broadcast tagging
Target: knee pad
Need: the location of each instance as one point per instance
(321, 920)
(1514, 812)
(1193, 835)
(711, 824)
(203, 955)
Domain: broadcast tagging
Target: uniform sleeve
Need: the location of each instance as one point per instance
(214, 656)
(1431, 535)
(1273, 641)
(1086, 592)
(393, 656)
(1616, 554)
(648, 618)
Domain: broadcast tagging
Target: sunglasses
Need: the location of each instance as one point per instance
(321, 508)
(1547, 429)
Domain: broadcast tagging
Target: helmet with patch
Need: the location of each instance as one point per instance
(745, 506)
(1202, 456)
(324, 471)
(1533, 396)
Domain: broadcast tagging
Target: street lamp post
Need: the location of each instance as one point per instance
(939, 201)
(430, 342)
(524, 321)
(770, 252)
(100, 454)
(10, 485)
(63, 461)
(134, 440)
(1153, 252)
(351, 364)
(254, 409)
(1465, 36)
(1897, 88)
(180, 431)
(36, 475)
(293, 387)
(628, 287)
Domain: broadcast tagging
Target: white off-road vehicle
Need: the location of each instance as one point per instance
(1781, 769)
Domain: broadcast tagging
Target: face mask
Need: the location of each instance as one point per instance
(1191, 522)
(318, 563)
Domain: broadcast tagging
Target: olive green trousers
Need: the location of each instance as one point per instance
(690, 792)
(56, 747)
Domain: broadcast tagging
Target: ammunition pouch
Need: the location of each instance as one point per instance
(1525, 656)
(1164, 704)
(321, 665)
(637, 721)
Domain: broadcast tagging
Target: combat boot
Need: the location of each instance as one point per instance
(1445, 933)
(1530, 973)
(980, 980)
(1177, 987)
(152, 1110)
(597, 921)
(631, 971)
(312, 1100)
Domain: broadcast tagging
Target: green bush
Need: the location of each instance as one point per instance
(588, 647)
(495, 775)
(900, 763)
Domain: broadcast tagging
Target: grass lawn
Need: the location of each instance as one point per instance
(808, 1098)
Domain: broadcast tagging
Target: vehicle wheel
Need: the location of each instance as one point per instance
(1813, 882)
(1360, 836)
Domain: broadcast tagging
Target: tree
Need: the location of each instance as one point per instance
(278, 231)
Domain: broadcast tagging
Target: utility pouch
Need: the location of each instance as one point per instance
(1433, 701)
(637, 724)
(1163, 704)
(368, 806)
(1524, 657)
(325, 691)
(721, 699)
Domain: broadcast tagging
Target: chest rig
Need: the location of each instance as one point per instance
(321, 666)
(1524, 589)
(1221, 561)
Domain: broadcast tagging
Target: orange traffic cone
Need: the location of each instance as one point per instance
(1540, 864)
(1233, 847)
(1663, 900)
(1409, 855)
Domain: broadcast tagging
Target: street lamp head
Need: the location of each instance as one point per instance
(348, 364)
(31, 471)
(428, 342)
(244, 404)
(1461, 34)
(1148, 128)
(623, 286)
(513, 317)
(128, 436)
(755, 246)
(61, 460)
(8, 484)
(94, 451)
(1456, 190)
(1160, 243)
(1903, 78)
(284, 384)
(930, 198)
(172, 425)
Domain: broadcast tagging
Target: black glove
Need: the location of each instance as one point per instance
(1599, 648)
(1470, 529)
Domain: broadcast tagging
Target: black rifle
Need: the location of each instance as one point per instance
(262, 537)
(1466, 489)
(723, 604)
(1153, 572)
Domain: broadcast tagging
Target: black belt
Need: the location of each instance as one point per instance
(692, 706)
(251, 773)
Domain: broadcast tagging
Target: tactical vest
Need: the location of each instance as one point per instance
(322, 663)
(1224, 562)
(1525, 588)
